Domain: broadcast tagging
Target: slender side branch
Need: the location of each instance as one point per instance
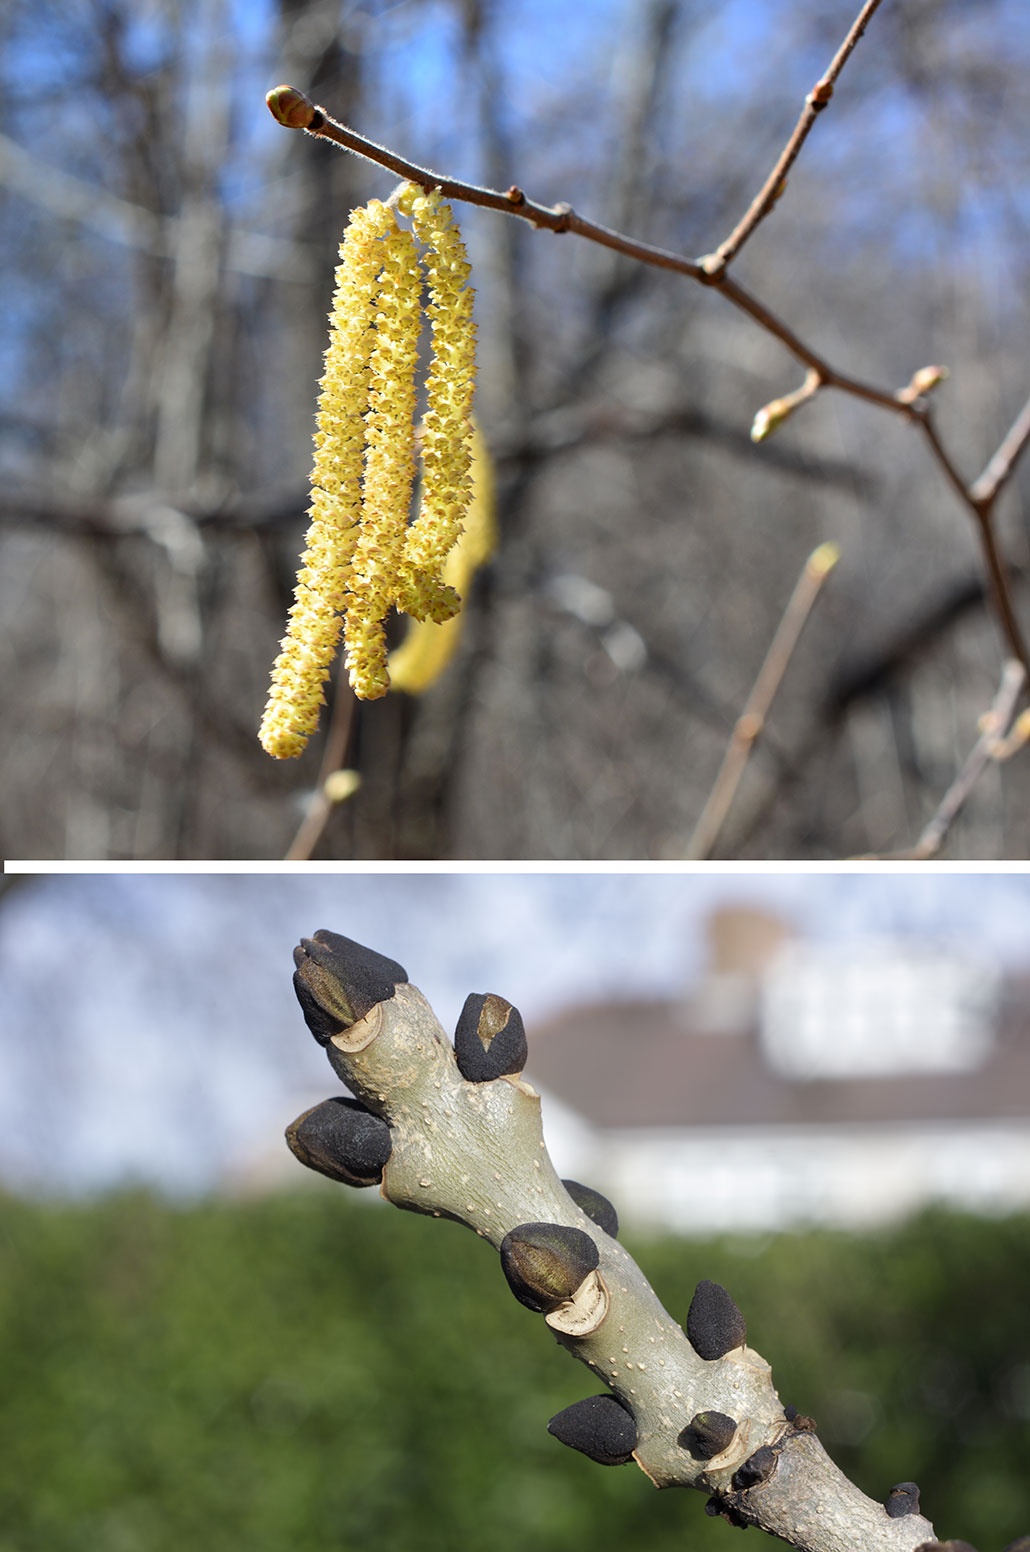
(752, 719)
(773, 187)
(1003, 464)
(455, 1133)
(993, 744)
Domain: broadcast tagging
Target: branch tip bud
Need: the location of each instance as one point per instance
(341, 785)
(715, 1325)
(545, 1263)
(597, 1207)
(823, 559)
(490, 1039)
(338, 982)
(290, 107)
(599, 1426)
(343, 1140)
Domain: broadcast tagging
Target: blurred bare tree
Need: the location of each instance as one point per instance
(169, 254)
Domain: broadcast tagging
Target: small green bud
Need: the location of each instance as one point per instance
(715, 1325)
(545, 1263)
(337, 982)
(290, 107)
(707, 1435)
(599, 1426)
(902, 1499)
(597, 1207)
(343, 1140)
(490, 1040)
(757, 1468)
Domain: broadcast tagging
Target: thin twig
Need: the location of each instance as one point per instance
(989, 747)
(320, 804)
(1001, 467)
(752, 719)
(772, 188)
(294, 110)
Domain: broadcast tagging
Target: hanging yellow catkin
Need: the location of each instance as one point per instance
(447, 426)
(389, 467)
(313, 627)
(428, 648)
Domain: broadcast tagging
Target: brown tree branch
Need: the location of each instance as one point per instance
(294, 110)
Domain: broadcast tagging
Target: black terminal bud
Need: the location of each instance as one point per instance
(546, 1262)
(343, 1140)
(903, 1498)
(597, 1207)
(490, 1039)
(600, 1427)
(707, 1435)
(757, 1468)
(715, 1325)
(790, 1412)
(337, 982)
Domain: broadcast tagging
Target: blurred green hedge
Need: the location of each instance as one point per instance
(315, 1371)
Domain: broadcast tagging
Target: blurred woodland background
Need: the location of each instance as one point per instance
(168, 253)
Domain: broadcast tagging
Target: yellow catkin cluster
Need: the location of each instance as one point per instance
(361, 558)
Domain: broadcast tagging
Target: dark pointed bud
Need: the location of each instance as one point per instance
(718, 1506)
(597, 1207)
(546, 1262)
(715, 1325)
(790, 1412)
(903, 1498)
(757, 1468)
(707, 1435)
(343, 1140)
(337, 982)
(490, 1040)
(600, 1427)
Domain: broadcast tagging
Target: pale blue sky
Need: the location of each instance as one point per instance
(152, 1032)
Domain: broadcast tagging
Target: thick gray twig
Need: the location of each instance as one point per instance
(455, 1132)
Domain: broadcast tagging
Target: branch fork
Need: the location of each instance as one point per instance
(455, 1132)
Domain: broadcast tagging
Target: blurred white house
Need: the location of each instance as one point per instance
(797, 1083)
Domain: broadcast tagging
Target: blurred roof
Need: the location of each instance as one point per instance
(646, 1064)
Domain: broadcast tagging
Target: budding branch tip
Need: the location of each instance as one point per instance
(290, 107)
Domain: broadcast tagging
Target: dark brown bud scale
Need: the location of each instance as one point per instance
(707, 1435)
(757, 1468)
(337, 982)
(597, 1207)
(902, 1499)
(490, 1040)
(343, 1140)
(546, 1262)
(600, 1427)
(715, 1325)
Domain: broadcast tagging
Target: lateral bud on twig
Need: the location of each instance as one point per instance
(923, 381)
(902, 1499)
(707, 1435)
(715, 1325)
(773, 414)
(597, 1207)
(338, 982)
(600, 1427)
(758, 1467)
(547, 1263)
(343, 1140)
(490, 1040)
